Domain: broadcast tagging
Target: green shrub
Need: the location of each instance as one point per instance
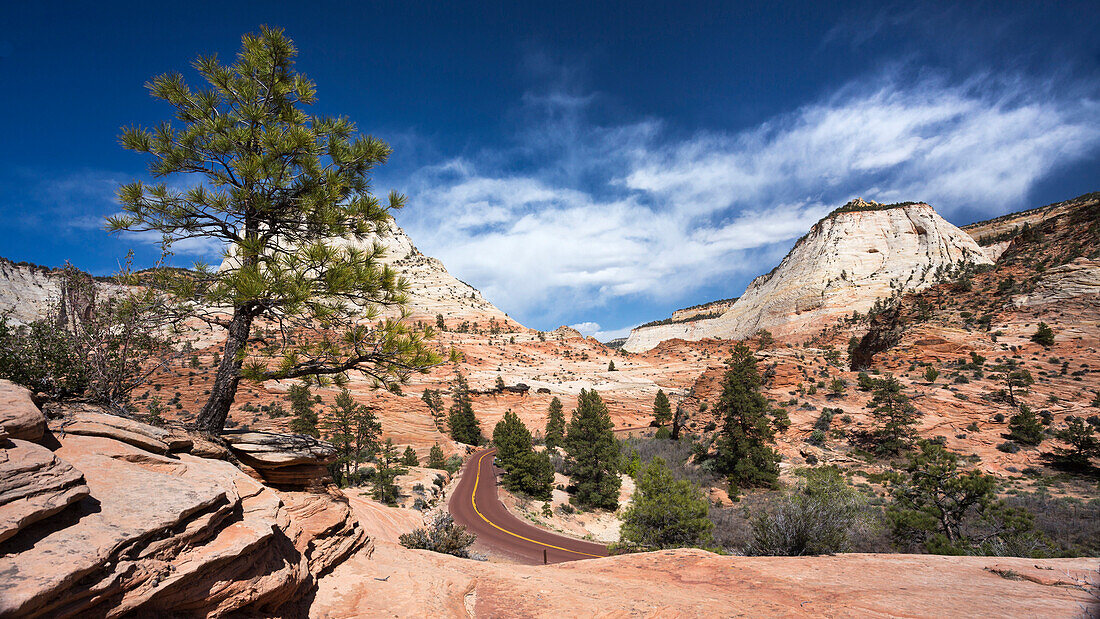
(441, 535)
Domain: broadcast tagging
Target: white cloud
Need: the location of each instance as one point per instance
(586, 328)
(606, 214)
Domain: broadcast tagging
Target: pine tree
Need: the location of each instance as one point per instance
(593, 453)
(611, 366)
(354, 430)
(409, 457)
(465, 427)
(434, 401)
(301, 406)
(525, 471)
(895, 416)
(276, 186)
(1025, 427)
(435, 458)
(662, 410)
(533, 474)
(931, 374)
(743, 454)
(1082, 442)
(385, 472)
(555, 425)
(1044, 335)
(1016, 379)
(512, 440)
(938, 503)
(665, 512)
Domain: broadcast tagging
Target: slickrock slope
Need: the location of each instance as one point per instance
(862, 252)
(694, 583)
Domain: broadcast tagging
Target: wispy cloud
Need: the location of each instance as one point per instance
(600, 214)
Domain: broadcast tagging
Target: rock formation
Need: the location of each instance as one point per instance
(432, 290)
(862, 252)
(112, 522)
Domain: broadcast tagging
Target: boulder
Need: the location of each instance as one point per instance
(20, 417)
(34, 485)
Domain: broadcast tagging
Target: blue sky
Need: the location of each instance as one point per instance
(589, 163)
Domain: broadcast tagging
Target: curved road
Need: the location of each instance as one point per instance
(474, 503)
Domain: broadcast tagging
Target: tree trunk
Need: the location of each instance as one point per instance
(214, 412)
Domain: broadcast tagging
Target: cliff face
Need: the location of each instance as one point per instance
(861, 253)
(27, 290)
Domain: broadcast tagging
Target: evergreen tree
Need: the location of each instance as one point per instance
(662, 410)
(931, 374)
(1044, 335)
(1082, 442)
(593, 453)
(500, 384)
(1016, 379)
(555, 425)
(385, 474)
(525, 471)
(435, 458)
(948, 510)
(533, 474)
(409, 457)
(743, 454)
(512, 440)
(353, 429)
(277, 184)
(665, 512)
(434, 401)
(301, 407)
(465, 427)
(895, 416)
(611, 366)
(1025, 427)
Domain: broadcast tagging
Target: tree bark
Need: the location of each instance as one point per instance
(216, 410)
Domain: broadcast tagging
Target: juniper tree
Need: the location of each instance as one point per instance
(555, 425)
(593, 453)
(662, 410)
(743, 454)
(276, 186)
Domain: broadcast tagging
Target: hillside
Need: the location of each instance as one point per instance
(860, 253)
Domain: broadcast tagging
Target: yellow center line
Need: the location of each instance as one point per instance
(473, 501)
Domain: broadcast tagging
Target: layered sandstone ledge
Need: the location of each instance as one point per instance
(110, 516)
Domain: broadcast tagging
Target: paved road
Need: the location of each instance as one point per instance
(474, 503)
